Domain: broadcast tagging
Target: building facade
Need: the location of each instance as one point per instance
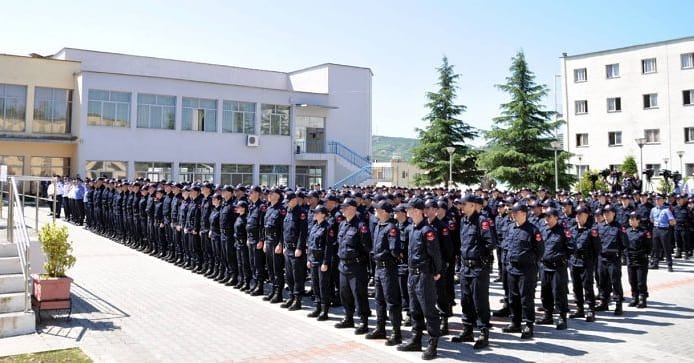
(396, 172)
(614, 97)
(134, 116)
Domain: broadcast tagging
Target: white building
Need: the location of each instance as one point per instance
(613, 97)
(135, 116)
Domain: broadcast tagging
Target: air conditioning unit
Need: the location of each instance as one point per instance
(252, 140)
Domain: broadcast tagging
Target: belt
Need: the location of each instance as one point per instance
(386, 263)
(662, 227)
(349, 261)
(418, 270)
(472, 263)
(317, 254)
(291, 246)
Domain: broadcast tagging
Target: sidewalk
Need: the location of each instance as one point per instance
(131, 307)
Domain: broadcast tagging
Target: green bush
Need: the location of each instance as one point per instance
(585, 186)
(58, 249)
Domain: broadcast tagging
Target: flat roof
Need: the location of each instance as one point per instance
(630, 47)
(48, 58)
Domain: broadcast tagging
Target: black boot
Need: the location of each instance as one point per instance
(546, 319)
(278, 298)
(642, 302)
(259, 289)
(618, 309)
(465, 336)
(296, 305)
(431, 352)
(324, 312)
(590, 316)
(414, 344)
(444, 325)
(287, 303)
(511, 328)
(580, 313)
(378, 333)
(603, 305)
(363, 328)
(347, 322)
(271, 295)
(395, 338)
(634, 301)
(527, 331)
(315, 313)
(483, 340)
(408, 320)
(562, 322)
(504, 312)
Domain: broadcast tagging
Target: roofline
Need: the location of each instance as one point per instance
(48, 58)
(330, 64)
(630, 47)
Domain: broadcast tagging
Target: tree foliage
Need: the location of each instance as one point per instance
(445, 129)
(585, 185)
(519, 152)
(629, 166)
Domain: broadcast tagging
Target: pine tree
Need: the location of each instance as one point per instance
(519, 152)
(445, 129)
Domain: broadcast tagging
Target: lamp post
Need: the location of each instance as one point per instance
(640, 142)
(450, 150)
(556, 145)
(681, 154)
(667, 186)
(580, 157)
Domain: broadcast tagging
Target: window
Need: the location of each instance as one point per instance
(687, 60)
(650, 100)
(107, 169)
(581, 140)
(309, 176)
(580, 75)
(648, 66)
(199, 114)
(688, 97)
(234, 174)
(15, 164)
(196, 172)
(654, 167)
(156, 111)
(309, 134)
(582, 169)
(13, 104)
(52, 110)
(652, 135)
(689, 134)
(615, 138)
(581, 107)
(238, 117)
(275, 120)
(615, 167)
(49, 166)
(612, 70)
(153, 170)
(614, 104)
(689, 169)
(108, 108)
(274, 175)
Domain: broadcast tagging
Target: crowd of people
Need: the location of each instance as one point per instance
(411, 245)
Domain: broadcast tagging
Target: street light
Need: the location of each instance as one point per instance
(556, 145)
(580, 157)
(681, 154)
(450, 150)
(665, 160)
(640, 142)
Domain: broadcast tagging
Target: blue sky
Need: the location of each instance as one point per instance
(401, 41)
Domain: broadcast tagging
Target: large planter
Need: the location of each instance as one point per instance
(51, 292)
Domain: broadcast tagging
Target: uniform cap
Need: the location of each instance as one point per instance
(552, 212)
(349, 202)
(582, 209)
(633, 215)
(385, 205)
(519, 207)
(256, 188)
(416, 203)
(320, 209)
(241, 204)
(313, 194)
(402, 207)
(228, 188)
(332, 197)
(289, 196)
(195, 188)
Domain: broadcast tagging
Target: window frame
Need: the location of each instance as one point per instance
(270, 111)
(651, 97)
(231, 109)
(645, 62)
(690, 93)
(655, 132)
(612, 138)
(583, 136)
(19, 117)
(584, 110)
(612, 66)
(689, 135)
(207, 113)
(617, 104)
(691, 60)
(246, 177)
(578, 71)
(165, 111)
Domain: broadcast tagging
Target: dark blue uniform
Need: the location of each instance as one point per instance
(681, 214)
(273, 222)
(612, 242)
(295, 233)
(242, 253)
(254, 226)
(354, 245)
(424, 261)
(524, 250)
(478, 242)
(228, 257)
(386, 252)
(555, 276)
(584, 247)
(403, 272)
(639, 245)
(321, 252)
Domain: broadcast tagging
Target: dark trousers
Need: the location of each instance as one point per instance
(215, 244)
(206, 249)
(610, 271)
(275, 265)
(257, 260)
(555, 289)
(422, 290)
(296, 273)
(403, 275)
(196, 249)
(582, 282)
(243, 262)
(58, 205)
(320, 284)
(66, 208)
(474, 296)
(662, 246)
(388, 295)
(638, 280)
(522, 296)
(682, 240)
(354, 280)
(229, 256)
(79, 211)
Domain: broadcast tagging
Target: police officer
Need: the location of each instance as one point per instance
(612, 241)
(447, 258)
(681, 214)
(193, 227)
(478, 242)
(229, 270)
(254, 226)
(294, 234)
(584, 247)
(525, 248)
(354, 244)
(215, 233)
(274, 219)
(554, 276)
(240, 243)
(404, 226)
(320, 255)
(425, 266)
(661, 217)
(386, 252)
(638, 248)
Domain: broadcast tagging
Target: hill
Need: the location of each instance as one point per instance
(383, 147)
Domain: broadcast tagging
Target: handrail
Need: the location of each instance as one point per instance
(348, 154)
(17, 233)
(356, 177)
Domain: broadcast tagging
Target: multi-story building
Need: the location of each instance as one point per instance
(614, 97)
(95, 113)
(396, 172)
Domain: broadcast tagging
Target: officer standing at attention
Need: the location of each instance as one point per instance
(295, 233)
(584, 246)
(274, 219)
(662, 219)
(478, 242)
(320, 255)
(386, 252)
(554, 276)
(681, 213)
(404, 226)
(612, 242)
(241, 238)
(638, 248)
(254, 226)
(227, 220)
(354, 244)
(425, 266)
(525, 248)
(447, 258)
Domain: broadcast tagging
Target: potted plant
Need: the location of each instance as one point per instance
(52, 289)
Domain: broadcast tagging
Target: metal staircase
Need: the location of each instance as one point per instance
(363, 164)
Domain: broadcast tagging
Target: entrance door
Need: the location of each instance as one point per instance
(315, 140)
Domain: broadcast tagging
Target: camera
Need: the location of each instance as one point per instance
(648, 173)
(665, 173)
(676, 177)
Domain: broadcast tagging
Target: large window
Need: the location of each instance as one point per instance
(107, 169)
(688, 97)
(581, 139)
(614, 104)
(199, 114)
(689, 135)
(234, 174)
(49, 166)
(614, 138)
(152, 170)
(612, 70)
(687, 60)
(581, 107)
(108, 108)
(309, 134)
(52, 110)
(648, 66)
(580, 75)
(156, 111)
(238, 117)
(275, 120)
(13, 104)
(309, 176)
(15, 164)
(652, 135)
(196, 172)
(274, 175)
(655, 167)
(650, 100)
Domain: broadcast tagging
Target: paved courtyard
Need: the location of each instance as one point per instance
(129, 307)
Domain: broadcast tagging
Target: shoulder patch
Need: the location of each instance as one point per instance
(444, 231)
(648, 234)
(331, 232)
(491, 222)
(364, 229)
(538, 237)
(485, 225)
(567, 233)
(451, 226)
(430, 236)
(340, 218)
(594, 232)
(263, 208)
(283, 211)
(393, 232)
(302, 216)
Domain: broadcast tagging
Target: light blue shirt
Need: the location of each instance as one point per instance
(661, 216)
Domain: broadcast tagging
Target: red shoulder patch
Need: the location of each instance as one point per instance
(451, 226)
(567, 233)
(364, 229)
(302, 216)
(444, 231)
(393, 232)
(594, 232)
(283, 211)
(538, 237)
(648, 234)
(485, 225)
(430, 236)
(624, 229)
(491, 222)
(340, 218)
(263, 208)
(331, 232)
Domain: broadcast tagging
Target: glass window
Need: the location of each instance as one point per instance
(274, 175)
(581, 107)
(15, 164)
(107, 169)
(687, 60)
(689, 135)
(49, 166)
(688, 97)
(309, 176)
(234, 174)
(648, 66)
(196, 172)
(580, 75)
(612, 70)
(581, 139)
(156, 111)
(652, 135)
(650, 100)
(238, 117)
(615, 138)
(52, 110)
(13, 104)
(108, 108)
(654, 167)
(614, 104)
(153, 171)
(275, 120)
(199, 114)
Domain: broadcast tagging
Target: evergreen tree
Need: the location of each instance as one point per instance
(444, 129)
(519, 151)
